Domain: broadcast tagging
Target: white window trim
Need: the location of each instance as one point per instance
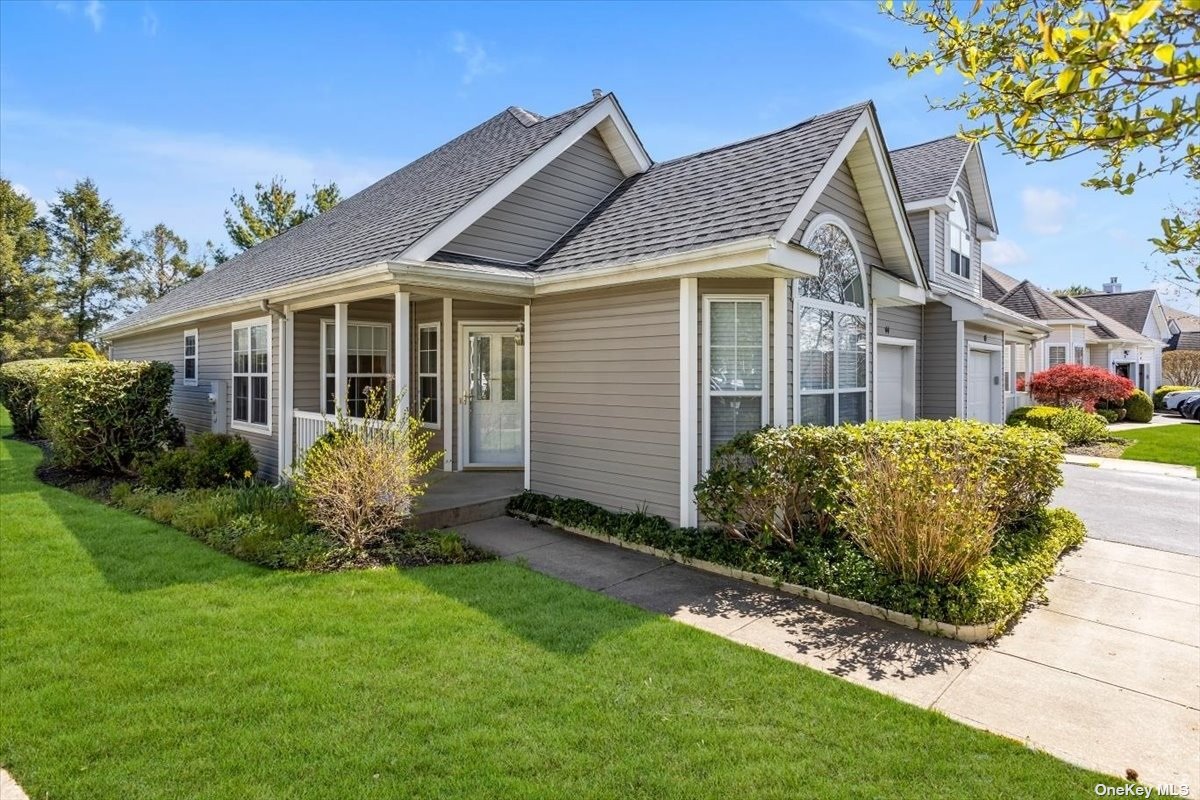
(800, 301)
(195, 356)
(950, 226)
(1050, 348)
(707, 393)
(325, 321)
(437, 373)
(251, 427)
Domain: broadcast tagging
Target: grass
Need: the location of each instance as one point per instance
(137, 662)
(1165, 444)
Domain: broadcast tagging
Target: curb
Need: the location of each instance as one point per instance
(972, 634)
(1131, 466)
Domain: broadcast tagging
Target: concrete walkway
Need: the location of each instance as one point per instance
(1107, 675)
(1158, 419)
(1129, 465)
(9, 790)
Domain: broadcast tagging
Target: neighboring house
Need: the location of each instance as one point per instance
(1093, 329)
(551, 300)
(1184, 329)
(973, 347)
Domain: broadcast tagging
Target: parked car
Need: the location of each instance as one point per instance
(1190, 409)
(1173, 400)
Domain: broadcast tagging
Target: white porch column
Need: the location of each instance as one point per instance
(525, 378)
(779, 353)
(341, 336)
(287, 328)
(402, 362)
(688, 400)
(448, 399)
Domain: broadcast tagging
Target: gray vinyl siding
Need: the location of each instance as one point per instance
(841, 198)
(939, 357)
(214, 363)
(1098, 356)
(307, 392)
(919, 222)
(904, 322)
(938, 268)
(527, 222)
(605, 397)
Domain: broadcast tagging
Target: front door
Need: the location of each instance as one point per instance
(492, 398)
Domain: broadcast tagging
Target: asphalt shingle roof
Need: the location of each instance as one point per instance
(996, 283)
(1185, 340)
(927, 171)
(1031, 301)
(380, 221)
(1128, 308)
(1106, 327)
(1185, 320)
(738, 191)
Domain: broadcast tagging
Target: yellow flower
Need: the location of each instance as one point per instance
(247, 474)
(227, 475)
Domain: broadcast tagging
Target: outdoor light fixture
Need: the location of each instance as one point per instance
(520, 333)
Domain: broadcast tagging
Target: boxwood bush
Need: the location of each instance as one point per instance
(1139, 407)
(1074, 425)
(102, 415)
(1161, 392)
(19, 384)
(210, 460)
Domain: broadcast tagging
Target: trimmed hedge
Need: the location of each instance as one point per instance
(19, 384)
(1161, 392)
(1074, 425)
(102, 415)
(1139, 407)
(1018, 564)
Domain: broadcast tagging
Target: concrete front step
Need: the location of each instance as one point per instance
(474, 511)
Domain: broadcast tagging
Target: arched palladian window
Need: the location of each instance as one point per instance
(959, 237)
(831, 330)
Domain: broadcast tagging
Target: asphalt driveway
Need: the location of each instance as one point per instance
(1155, 511)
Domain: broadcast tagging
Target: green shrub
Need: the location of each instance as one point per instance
(1161, 392)
(1020, 561)
(211, 460)
(138, 500)
(360, 480)
(1074, 425)
(162, 508)
(119, 493)
(1139, 407)
(19, 385)
(102, 415)
(1110, 414)
(83, 351)
(203, 511)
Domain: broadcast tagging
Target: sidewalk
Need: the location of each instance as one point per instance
(1107, 675)
(1129, 465)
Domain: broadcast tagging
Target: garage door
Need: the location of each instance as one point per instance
(889, 382)
(979, 386)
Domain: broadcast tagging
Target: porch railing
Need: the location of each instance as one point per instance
(310, 426)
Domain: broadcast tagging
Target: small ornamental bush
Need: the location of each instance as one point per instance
(102, 415)
(19, 385)
(1077, 385)
(1139, 407)
(83, 351)
(1161, 392)
(1110, 415)
(1074, 425)
(211, 460)
(361, 479)
(1181, 367)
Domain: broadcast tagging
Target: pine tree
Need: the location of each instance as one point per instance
(272, 210)
(30, 325)
(160, 264)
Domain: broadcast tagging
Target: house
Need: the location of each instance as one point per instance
(551, 300)
(1121, 332)
(1184, 329)
(973, 347)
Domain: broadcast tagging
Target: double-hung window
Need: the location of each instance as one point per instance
(735, 368)
(191, 346)
(368, 354)
(959, 237)
(1057, 354)
(1079, 354)
(428, 358)
(252, 374)
(830, 338)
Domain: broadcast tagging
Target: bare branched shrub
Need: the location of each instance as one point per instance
(362, 478)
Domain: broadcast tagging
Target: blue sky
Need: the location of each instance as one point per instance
(170, 106)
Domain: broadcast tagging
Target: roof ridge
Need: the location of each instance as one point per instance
(931, 141)
(1116, 294)
(758, 137)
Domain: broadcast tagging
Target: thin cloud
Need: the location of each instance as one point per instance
(1045, 209)
(1004, 253)
(92, 9)
(149, 23)
(476, 61)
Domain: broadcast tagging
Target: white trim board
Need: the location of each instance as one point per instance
(706, 364)
(251, 427)
(689, 381)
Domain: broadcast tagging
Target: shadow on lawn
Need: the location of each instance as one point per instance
(132, 553)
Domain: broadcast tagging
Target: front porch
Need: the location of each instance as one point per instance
(456, 363)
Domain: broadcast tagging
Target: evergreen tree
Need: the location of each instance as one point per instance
(30, 325)
(90, 260)
(160, 263)
(272, 210)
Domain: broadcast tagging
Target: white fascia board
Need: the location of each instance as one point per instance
(899, 217)
(935, 204)
(964, 310)
(983, 233)
(485, 201)
(888, 290)
(796, 218)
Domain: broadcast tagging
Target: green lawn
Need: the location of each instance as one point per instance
(136, 662)
(1166, 444)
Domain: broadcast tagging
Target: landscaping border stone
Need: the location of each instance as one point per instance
(972, 634)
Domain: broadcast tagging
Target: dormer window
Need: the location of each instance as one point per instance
(960, 237)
